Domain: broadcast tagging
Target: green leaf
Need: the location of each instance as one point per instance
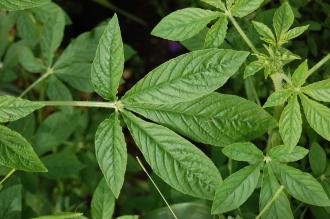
(53, 20)
(27, 27)
(57, 90)
(295, 32)
(186, 77)
(108, 64)
(77, 75)
(244, 152)
(17, 153)
(319, 90)
(80, 50)
(217, 33)
(290, 124)
(241, 8)
(265, 32)
(283, 20)
(14, 5)
(62, 165)
(196, 42)
(280, 208)
(236, 189)
(215, 3)
(11, 202)
(317, 159)
(183, 24)
(300, 185)
(54, 130)
(283, 154)
(253, 68)
(209, 120)
(63, 215)
(195, 210)
(317, 115)
(192, 172)
(128, 217)
(14, 108)
(278, 98)
(103, 202)
(29, 62)
(300, 75)
(111, 154)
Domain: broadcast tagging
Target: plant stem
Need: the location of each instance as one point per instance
(319, 64)
(38, 81)
(241, 32)
(277, 193)
(113, 7)
(80, 104)
(7, 176)
(153, 182)
(277, 80)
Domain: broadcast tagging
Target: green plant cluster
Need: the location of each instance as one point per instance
(245, 161)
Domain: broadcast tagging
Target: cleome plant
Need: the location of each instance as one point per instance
(175, 114)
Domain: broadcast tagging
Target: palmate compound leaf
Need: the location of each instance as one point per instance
(14, 5)
(215, 119)
(244, 151)
(103, 202)
(184, 24)
(301, 185)
(186, 77)
(17, 153)
(14, 108)
(280, 208)
(111, 154)
(108, 64)
(317, 115)
(236, 189)
(290, 125)
(174, 159)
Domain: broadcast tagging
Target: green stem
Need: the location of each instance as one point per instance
(277, 193)
(7, 176)
(277, 80)
(153, 182)
(241, 32)
(113, 7)
(112, 105)
(319, 64)
(38, 81)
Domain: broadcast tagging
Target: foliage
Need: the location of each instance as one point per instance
(211, 152)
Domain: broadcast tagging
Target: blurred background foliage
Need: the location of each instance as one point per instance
(64, 138)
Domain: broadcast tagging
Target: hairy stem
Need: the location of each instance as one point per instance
(38, 81)
(112, 105)
(319, 64)
(269, 204)
(7, 176)
(241, 32)
(153, 182)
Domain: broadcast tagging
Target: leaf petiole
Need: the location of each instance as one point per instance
(319, 64)
(7, 176)
(241, 32)
(113, 105)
